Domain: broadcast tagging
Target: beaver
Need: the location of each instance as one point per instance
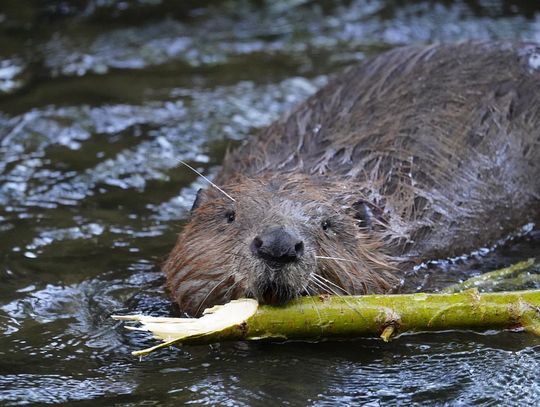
(422, 152)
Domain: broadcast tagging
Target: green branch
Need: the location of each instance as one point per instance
(488, 280)
(314, 318)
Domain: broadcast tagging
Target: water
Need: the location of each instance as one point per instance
(98, 102)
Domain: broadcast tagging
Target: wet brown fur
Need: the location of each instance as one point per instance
(442, 143)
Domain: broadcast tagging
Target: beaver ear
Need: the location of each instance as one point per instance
(362, 212)
(199, 199)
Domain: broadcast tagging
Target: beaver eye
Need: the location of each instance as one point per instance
(230, 215)
(325, 224)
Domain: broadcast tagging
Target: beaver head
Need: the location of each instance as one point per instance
(275, 238)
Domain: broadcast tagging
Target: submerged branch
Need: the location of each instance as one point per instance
(492, 278)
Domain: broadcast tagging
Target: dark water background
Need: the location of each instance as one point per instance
(98, 101)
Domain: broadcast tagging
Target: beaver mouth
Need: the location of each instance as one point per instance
(274, 294)
(278, 283)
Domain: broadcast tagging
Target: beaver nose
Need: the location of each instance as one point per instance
(277, 245)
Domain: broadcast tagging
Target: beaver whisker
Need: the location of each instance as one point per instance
(228, 275)
(306, 290)
(319, 277)
(233, 286)
(337, 275)
(207, 180)
(327, 289)
(337, 258)
(236, 282)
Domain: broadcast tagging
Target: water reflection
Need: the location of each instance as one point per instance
(99, 101)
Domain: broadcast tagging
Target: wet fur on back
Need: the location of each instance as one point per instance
(419, 153)
(445, 138)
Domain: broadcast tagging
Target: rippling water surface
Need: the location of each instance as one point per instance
(98, 102)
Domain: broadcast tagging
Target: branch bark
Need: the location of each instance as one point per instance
(313, 318)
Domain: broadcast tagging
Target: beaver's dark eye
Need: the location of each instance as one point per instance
(230, 215)
(325, 224)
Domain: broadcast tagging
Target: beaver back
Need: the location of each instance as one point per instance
(444, 139)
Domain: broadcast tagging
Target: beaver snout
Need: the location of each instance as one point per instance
(277, 246)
